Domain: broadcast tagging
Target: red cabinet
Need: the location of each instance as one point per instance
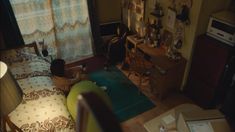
(207, 69)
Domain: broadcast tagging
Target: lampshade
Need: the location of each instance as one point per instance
(11, 94)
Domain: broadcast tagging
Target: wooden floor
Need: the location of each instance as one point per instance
(136, 124)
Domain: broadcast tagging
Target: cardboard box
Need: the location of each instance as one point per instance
(202, 121)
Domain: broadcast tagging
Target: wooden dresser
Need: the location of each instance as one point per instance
(162, 84)
(167, 74)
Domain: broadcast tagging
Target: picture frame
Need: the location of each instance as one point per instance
(138, 10)
(171, 18)
(138, 2)
(135, 11)
(167, 38)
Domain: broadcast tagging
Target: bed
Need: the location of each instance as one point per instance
(43, 107)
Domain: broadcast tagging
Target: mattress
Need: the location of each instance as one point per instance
(43, 107)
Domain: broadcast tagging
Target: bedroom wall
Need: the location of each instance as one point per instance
(109, 15)
(108, 10)
(190, 30)
(208, 7)
(199, 17)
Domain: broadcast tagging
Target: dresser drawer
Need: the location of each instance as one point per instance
(158, 83)
(158, 76)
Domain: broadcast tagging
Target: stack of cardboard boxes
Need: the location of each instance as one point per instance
(189, 118)
(202, 121)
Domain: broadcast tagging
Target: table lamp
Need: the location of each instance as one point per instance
(11, 97)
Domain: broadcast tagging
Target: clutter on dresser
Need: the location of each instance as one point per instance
(157, 26)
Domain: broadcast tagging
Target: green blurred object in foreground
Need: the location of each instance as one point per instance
(82, 87)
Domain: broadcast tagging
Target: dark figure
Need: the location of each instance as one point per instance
(64, 78)
(116, 47)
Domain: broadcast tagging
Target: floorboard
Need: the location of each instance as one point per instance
(136, 124)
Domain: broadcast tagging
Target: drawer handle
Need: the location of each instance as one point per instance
(162, 71)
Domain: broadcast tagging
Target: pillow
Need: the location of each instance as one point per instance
(19, 54)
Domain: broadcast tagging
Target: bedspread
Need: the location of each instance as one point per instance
(43, 107)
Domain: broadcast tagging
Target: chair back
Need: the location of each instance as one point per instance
(104, 118)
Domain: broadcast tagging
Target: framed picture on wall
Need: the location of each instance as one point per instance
(138, 2)
(133, 13)
(131, 6)
(171, 17)
(138, 10)
(167, 38)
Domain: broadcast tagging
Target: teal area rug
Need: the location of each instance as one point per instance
(126, 100)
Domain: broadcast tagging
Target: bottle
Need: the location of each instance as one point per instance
(148, 28)
(158, 37)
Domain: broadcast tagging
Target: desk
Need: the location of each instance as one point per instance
(167, 75)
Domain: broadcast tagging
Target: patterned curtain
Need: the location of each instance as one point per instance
(63, 25)
(72, 26)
